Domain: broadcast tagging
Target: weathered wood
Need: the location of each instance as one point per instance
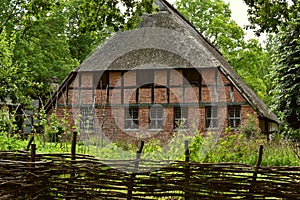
(31, 139)
(258, 162)
(50, 179)
(73, 147)
(33, 152)
(136, 169)
(187, 170)
(255, 172)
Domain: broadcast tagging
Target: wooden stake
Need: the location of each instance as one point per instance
(187, 168)
(73, 148)
(29, 142)
(33, 152)
(136, 166)
(258, 162)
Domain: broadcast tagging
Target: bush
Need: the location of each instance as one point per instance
(8, 142)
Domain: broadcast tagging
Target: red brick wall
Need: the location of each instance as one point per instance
(114, 118)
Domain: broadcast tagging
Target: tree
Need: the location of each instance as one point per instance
(268, 16)
(91, 21)
(281, 20)
(44, 49)
(213, 19)
(52, 36)
(13, 78)
(286, 72)
(252, 63)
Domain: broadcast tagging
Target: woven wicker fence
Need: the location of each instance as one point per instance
(25, 175)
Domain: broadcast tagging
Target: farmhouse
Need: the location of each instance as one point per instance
(162, 76)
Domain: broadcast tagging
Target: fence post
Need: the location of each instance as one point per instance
(73, 157)
(187, 170)
(258, 162)
(73, 147)
(136, 166)
(29, 143)
(33, 153)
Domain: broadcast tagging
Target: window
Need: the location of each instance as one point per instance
(87, 118)
(132, 118)
(156, 117)
(180, 117)
(211, 117)
(234, 118)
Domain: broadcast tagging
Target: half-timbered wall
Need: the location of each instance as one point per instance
(109, 95)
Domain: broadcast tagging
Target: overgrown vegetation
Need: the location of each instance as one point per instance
(40, 40)
(240, 145)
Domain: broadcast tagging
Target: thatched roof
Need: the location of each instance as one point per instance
(167, 40)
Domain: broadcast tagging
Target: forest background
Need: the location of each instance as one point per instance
(43, 40)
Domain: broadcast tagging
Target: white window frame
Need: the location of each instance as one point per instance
(132, 118)
(211, 121)
(156, 120)
(237, 118)
(182, 121)
(87, 119)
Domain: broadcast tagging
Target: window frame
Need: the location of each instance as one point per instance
(131, 118)
(86, 125)
(183, 112)
(234, 117)
(212, 121)
(156, 119)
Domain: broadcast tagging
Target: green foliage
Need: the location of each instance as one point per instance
(95, 16)
(268, 16)
(286, 71)
(55, 129)
(213, 19)
(241, 149)
(8, 142)
(282, 18)
(14, 79)
(252, 62)
(250, 127)
(45, 39)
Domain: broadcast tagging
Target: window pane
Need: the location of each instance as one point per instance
(234, 116)
(211, 117)
(208, 123)
(87, 118)
(215, 123)
(132, 118)
(215, 111)
(177, 112)
(160, 124)
(156, 117)
(180, 117)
